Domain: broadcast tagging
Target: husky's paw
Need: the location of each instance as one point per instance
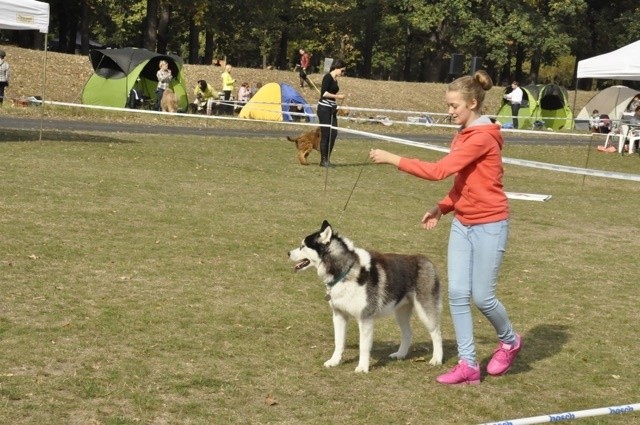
(398, 355)
(434, 361)
(362, 369)
(332, 362)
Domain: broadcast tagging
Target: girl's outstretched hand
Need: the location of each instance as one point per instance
(380, 156)
(431, 218)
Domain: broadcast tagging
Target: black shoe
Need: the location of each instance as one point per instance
(327, 164)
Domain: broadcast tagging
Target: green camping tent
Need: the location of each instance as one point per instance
(546, 104)
(117, 71)
(529, 110)
(554, 107)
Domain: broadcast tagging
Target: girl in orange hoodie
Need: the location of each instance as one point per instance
(479, 229)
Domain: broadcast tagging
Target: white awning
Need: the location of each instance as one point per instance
(24, 15)
(621, 64)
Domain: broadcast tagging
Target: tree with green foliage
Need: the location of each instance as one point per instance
(397, 39)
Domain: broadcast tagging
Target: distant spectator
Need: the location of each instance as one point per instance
(515, 98)
(4, 75)
(244, 93)
(635, 102)
(304, 66)
(599, 123)
(205, 97)
(228, 83)
(255, 88)
(164, 78)
(635, 119)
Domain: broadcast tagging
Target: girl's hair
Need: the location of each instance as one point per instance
(472, 87)
(337, 64)
(163, 62)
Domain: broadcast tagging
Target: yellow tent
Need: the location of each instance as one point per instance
(272, 103)
(264, 105)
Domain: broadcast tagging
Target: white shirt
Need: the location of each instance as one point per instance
(4, 71)
(515, 96)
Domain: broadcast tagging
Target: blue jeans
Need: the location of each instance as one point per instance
(474, 258)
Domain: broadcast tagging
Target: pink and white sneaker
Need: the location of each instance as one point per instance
(462, 373)
(503, 357)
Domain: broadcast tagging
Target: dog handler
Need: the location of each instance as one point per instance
(479, 229)
(327, 110)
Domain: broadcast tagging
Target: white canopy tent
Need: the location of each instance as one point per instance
(621, 64)
(24, 15)
(28, 15)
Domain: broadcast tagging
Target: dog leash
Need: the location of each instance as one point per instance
(353, 189)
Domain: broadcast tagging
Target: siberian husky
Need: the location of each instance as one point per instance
(367, 285)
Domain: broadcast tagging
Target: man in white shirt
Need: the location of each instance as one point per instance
(4, 75)
(515, 98)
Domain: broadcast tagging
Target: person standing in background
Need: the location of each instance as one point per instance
(515, 98)
(228, 83)
(164, 78)
(327, 110)
(4, 74)
(304, 66)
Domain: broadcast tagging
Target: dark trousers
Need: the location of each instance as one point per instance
(515, 107)
(228, 107)
(327, 116)
(303, 76)
(3, 84)
(159, 93)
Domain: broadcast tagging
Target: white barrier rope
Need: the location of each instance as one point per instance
(512, 161)
(567, 416)
(422, 145)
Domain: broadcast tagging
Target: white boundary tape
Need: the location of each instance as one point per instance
(512, 161)
(422, 145)
(567, 416)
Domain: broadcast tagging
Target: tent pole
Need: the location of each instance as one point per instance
(44, 85)
(573, 109)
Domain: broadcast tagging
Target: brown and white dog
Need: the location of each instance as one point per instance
(169, 101)
(366, 285)
(306, 143)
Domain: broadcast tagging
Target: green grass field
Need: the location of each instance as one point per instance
(145, 280)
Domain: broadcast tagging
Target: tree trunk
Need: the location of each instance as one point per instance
(406, 67)
(535, 68)
(163, 28)
(282, 62)
(194, 42)
(151, 30)
(372, 18)
(63, 26)
(72, 33)
(520, 55)
(209, 47)
(84, 29)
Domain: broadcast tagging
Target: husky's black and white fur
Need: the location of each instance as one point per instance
(367, 285)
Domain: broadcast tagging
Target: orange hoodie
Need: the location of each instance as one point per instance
(477, 195)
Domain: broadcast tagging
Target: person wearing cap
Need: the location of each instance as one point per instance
(4, 75)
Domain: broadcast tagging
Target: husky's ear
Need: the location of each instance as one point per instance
(325, 232)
